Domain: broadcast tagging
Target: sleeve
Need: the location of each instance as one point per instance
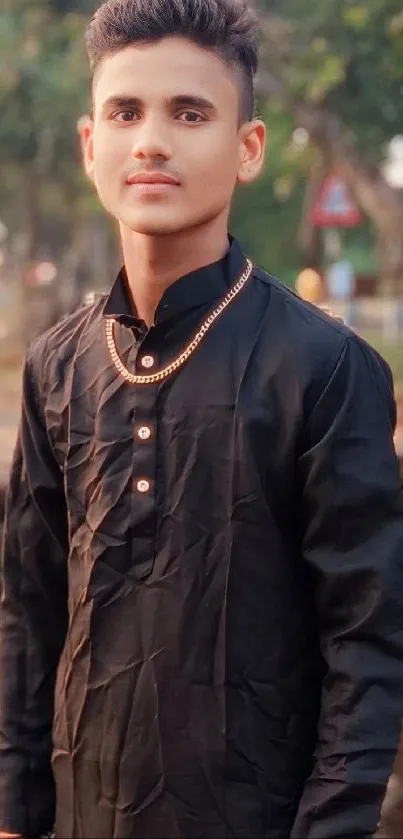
(353, 546)
(33, 624)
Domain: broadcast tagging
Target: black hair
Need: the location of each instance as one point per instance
(229, 27)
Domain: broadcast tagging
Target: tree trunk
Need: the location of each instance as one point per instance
(381, 202)
(309, 236)
(27, 254)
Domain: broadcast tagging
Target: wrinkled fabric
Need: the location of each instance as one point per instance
(221, 655)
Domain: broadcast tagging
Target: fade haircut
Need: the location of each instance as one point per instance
(229, 27)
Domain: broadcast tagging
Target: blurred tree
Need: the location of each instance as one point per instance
(337, 67)
(42, 82)
(43, 91)
(266, 216)
(332, 68)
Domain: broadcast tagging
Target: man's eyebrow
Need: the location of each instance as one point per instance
(114, 102)
(189, 100)
(127, 102)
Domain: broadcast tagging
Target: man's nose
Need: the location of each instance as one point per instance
(152, 140)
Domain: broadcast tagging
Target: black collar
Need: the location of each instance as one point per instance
(200, 287)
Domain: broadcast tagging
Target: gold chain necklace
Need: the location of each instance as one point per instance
(152, 378)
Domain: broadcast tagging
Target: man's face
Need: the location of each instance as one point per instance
(168, 111)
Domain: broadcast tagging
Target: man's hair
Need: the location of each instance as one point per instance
(229, 27)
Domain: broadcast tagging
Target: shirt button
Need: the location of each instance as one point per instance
(144, 433)
(143, 486)
(147, 361)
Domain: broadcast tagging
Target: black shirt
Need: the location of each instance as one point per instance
(212, 564)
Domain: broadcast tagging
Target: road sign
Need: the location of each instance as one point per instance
(334, 205)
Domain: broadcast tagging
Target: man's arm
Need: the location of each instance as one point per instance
(353, 543)
(33, 622)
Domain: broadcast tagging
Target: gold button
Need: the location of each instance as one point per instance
(148, 361)
(143, 486)
(144, 433)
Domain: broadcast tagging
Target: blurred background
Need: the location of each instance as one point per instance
(326, 216)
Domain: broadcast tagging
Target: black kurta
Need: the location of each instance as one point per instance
(214, 567)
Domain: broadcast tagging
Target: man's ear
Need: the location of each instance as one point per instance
(252, 151)
(85, 130)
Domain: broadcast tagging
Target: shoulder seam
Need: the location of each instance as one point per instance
(290, 295)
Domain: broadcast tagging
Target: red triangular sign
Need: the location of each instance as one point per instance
(334, 206)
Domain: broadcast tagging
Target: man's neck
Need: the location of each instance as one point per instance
(153, 263)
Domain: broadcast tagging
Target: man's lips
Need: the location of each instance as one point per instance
(156, 178)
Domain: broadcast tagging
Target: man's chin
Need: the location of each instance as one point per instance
(156, 226)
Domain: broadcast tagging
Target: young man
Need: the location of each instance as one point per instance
(204, 534)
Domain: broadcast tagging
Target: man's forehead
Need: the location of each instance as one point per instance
(165, 67)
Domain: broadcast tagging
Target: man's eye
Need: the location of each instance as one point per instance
(124, 116)
(191, 116)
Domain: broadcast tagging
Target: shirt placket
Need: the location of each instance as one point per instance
(143, 490)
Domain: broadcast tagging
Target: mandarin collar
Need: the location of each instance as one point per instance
(200, 287)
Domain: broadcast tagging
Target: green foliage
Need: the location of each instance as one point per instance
(43, 91)
(346, 54)
(266, 215)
